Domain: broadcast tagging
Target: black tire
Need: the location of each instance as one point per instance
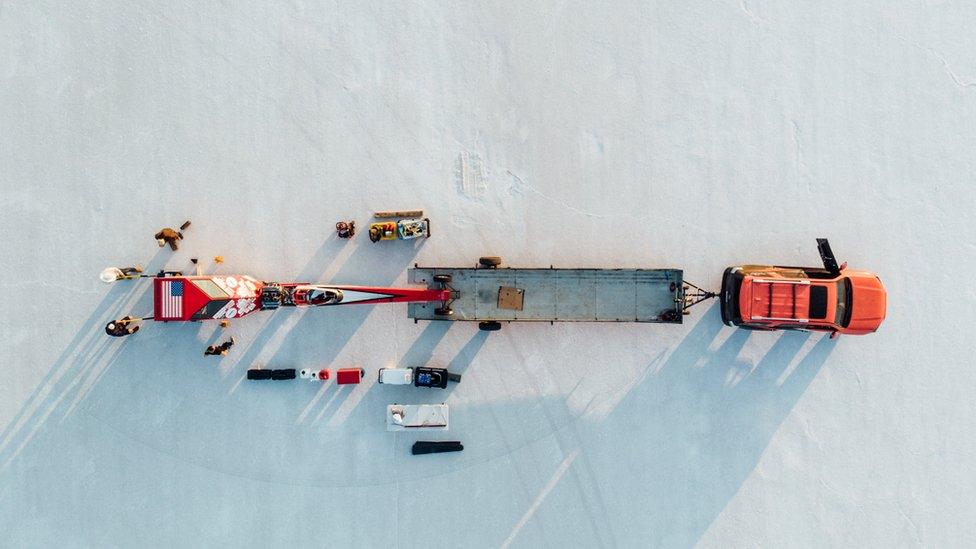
(428, 227)
(259, 375)
(282, 374)
(490, 261)
(490, 326)
(442, 278)
(443, 311)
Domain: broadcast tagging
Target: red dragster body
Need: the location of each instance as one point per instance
(191, 298)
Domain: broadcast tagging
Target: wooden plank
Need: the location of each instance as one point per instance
(510, 298)
(398, 213)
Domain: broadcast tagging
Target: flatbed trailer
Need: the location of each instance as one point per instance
(491, 295)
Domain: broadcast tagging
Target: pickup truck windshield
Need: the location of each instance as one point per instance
(843, 315)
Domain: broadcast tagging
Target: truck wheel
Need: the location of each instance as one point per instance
(490, 326)
(442, 278)
(491, 261)
(443, 311)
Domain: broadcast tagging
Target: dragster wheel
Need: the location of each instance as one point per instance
(490, 326)
(490, 261)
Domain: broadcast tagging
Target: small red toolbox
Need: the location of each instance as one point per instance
(349, 376)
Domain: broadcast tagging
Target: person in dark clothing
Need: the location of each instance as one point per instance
(346, 229)
(171, 236)
(220, 350)
(121, 327)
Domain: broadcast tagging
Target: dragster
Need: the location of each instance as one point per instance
(219, 297)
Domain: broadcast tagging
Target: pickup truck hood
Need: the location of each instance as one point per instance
(869, 303)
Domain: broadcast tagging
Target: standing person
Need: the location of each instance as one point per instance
(219, 349)
(121, 328)
(170, 236)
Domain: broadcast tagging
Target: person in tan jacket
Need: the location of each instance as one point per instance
(170, 236)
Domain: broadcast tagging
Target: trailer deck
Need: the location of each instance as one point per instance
(554, 295)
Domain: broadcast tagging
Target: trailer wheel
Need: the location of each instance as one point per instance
(670, 315)
(442, 278)
(491, 261)
(490, 326)
(443, 311)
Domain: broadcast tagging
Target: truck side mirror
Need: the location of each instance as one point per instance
(834, 334)
(843, 265)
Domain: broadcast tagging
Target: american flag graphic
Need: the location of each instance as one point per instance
(172, 299)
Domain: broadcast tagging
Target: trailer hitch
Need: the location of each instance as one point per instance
(692, 295)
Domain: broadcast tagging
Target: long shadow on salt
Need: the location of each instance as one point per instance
(689, 436)
(81, 360)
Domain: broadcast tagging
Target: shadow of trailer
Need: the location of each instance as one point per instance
(490, 294)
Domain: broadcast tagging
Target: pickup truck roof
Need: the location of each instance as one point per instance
(833, 298)
(773, 299)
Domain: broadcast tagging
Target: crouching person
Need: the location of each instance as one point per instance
(122, 327)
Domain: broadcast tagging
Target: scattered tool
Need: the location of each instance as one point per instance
(349, 376)
(404, 229)
(315, 375)
(422, 376)
(417, 417)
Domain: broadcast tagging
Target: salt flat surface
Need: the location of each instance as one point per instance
(693, 134)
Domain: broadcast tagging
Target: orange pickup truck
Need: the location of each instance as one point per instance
(831, 299)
